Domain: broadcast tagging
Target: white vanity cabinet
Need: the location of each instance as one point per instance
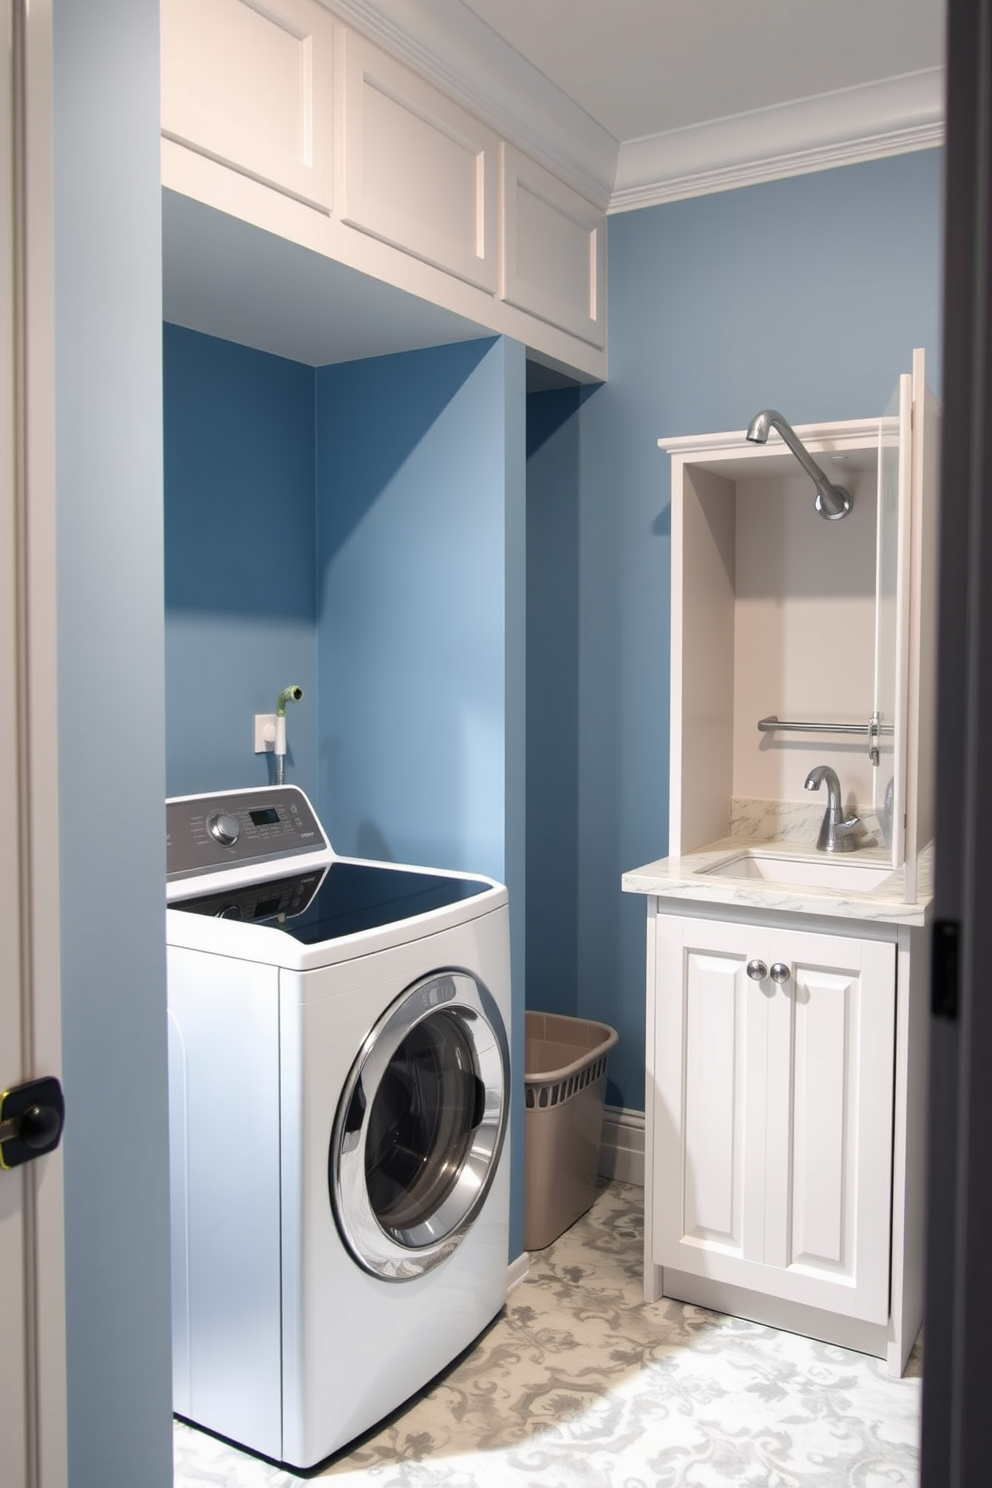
(785, 1119)
(773, 1116)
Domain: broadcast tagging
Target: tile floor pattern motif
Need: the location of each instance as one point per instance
(582, 1385)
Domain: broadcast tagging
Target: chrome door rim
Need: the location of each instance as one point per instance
(403, 1254)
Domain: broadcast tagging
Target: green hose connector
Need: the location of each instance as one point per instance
(288, 695)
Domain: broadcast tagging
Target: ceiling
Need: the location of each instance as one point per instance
(644, 67)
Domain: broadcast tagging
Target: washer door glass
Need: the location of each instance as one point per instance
(420, 1126)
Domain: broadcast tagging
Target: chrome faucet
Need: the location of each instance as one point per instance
(832, 502)
(837, 830)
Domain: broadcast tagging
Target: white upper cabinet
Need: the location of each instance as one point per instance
(554, 249)
(250, 85)
(277, 114)
(417, 170)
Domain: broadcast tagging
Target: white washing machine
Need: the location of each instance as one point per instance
(339, 1097)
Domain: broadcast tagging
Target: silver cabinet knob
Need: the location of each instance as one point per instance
(757, 971)
(780, 972)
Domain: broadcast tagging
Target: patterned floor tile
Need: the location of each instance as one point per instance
(581, 1384)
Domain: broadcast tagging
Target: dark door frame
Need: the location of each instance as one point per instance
(957, 1386)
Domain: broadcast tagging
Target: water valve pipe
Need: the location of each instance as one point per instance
(288, 695)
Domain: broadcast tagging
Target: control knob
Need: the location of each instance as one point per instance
(223, 828)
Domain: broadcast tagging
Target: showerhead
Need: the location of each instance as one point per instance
(757, 429)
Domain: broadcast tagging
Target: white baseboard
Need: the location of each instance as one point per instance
(621, 1151)
(517, 1272)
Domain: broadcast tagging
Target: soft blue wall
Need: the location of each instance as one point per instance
(108, 410)
(512, 367)
(553, 483)
(411, 633)
(808, 295)
(240, 565)
(420, 521)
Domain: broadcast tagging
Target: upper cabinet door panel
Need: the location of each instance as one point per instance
(554, 250)
(418, 171)
(251, 86)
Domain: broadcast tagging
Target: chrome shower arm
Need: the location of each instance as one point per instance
(831, 501)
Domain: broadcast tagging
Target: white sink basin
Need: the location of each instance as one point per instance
(815, 873)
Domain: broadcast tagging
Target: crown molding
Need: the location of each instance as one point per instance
(449, 45)
(868, 122)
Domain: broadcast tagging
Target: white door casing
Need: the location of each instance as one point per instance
(32, 1299)
(13, 1357)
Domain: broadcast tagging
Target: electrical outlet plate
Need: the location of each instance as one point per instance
(265, 733)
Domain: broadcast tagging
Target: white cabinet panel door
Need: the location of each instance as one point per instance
(418, 171)
(251, 86)
(773, 1142)
(711, 1069)
(554, 250)
(830, 1094)
(714, 1091)
(723, 1157)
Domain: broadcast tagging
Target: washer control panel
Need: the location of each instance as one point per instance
(206, 833)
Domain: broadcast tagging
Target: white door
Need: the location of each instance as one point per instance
(32, 1311)
(921, 693)
(774, 1112)
(894, 476)
(905, 628)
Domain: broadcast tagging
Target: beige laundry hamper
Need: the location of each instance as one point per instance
(565, 1093)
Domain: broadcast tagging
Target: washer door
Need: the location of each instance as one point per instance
(420, 1126)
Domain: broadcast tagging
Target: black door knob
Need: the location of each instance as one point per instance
(31, 1120)
(39, 1125)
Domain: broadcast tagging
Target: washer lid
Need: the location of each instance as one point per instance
(345, 900)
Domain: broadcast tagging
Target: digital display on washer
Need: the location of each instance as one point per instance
(267, 816)
(353, 897)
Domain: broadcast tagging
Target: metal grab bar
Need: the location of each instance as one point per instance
(769, 725)
(874, 728)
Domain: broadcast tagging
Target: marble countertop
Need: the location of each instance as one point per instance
(689, 878)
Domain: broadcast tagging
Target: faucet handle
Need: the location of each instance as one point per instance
(842, 837)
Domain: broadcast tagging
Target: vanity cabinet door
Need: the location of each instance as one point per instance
(773, 1140)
